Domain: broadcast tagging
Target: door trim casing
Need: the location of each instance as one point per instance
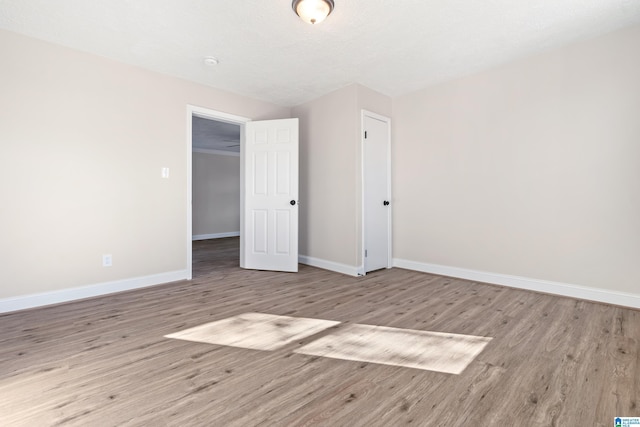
(387, 120)
(193, 110)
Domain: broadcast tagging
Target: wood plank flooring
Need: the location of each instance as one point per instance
(553, 361)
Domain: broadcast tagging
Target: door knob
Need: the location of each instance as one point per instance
(292, 203)
(386, 203)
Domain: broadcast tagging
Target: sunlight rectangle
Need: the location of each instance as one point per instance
(432, 351)
(256, 331)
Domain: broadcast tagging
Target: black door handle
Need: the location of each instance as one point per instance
(386, 203)
(292, 203)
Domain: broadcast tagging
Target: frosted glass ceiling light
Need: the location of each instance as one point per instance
(312, 11)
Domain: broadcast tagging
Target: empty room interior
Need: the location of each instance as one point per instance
(320, 212)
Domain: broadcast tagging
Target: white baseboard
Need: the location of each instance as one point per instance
(328, 265)
(71, 294)
(215, 235)
(556, 288)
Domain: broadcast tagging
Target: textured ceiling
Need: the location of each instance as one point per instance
(267, 52)
(214, 135)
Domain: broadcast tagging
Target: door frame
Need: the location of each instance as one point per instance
(207, 113)
(387, 120)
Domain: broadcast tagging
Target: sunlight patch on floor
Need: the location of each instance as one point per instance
(432, 351)
(256, 331)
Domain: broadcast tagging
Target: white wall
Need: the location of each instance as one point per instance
(216, 194)
(83, 141)
(330, 175)
(328, 131)
(531, 169)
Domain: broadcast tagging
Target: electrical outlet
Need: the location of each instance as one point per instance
(165, 172)
(107, 260)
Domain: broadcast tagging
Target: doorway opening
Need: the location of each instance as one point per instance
(214, 173)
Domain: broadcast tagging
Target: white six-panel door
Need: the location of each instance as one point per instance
(270, 198)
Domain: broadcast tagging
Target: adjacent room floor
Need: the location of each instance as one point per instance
(106, 361)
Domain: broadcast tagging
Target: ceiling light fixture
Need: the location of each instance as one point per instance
(312, 11)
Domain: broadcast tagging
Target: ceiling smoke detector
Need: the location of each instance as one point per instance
(211, 61)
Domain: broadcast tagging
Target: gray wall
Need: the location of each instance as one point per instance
(216, 194)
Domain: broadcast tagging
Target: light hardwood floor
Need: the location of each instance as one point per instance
(553, 361)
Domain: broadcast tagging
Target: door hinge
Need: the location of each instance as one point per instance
(365, 134)
(365, 253)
